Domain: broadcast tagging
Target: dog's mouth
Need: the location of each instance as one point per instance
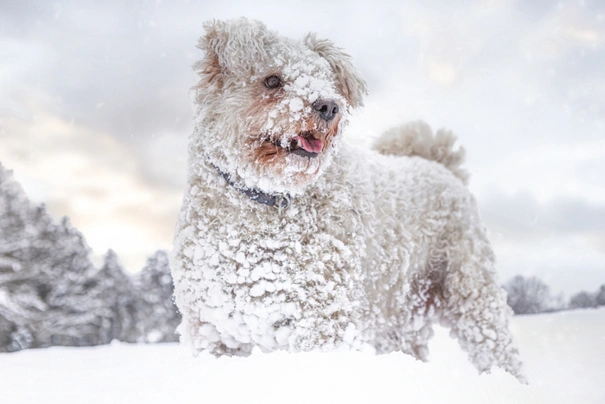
(305, 144)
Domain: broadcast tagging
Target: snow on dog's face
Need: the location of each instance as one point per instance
(271, 109)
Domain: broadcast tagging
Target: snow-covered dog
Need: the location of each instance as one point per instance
(291, 239)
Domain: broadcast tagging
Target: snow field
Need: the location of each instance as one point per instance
(564, 355)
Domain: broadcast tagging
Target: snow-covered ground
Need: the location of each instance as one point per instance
(564, 355)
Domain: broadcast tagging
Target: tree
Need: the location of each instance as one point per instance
(600, 297)
(20, 283)
(159, 316)
(528, 295)
(44, 269)
(582, 300)
(115, 289)
(51, 294)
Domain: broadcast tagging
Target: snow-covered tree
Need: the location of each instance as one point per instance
(582, 300)
(51, 294)
(528, 295)
(80, 315)
(20, 300)
(44, 267)
(115, 289)
(158, 316)
(600, 297)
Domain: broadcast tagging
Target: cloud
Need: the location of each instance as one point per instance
(95, 110)
(567, 167)
(567, 264)
(561, 241)
(96, 180)
(521, 216)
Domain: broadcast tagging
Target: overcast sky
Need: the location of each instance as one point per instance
(95, 111)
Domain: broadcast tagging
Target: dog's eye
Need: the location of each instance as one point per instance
(273, 82)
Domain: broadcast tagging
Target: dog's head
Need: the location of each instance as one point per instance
(271, 109)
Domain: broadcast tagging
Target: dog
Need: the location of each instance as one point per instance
(291, 239)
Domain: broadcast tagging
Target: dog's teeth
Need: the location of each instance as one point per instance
(299, 142)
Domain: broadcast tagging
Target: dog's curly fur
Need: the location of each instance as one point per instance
(375, 246)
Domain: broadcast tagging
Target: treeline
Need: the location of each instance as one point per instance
(531, 296)
(52, 294)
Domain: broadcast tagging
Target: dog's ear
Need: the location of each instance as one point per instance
(352, 86)
(232, 47)
(209, 68)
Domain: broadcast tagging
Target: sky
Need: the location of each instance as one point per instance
(95, 111)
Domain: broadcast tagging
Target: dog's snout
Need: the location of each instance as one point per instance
(327, 108)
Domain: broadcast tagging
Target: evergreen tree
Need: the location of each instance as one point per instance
(51, 294)
(159, 316)
(44, 267)
(21, 285)
(116, 290)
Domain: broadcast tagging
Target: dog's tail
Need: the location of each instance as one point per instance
(417, 139)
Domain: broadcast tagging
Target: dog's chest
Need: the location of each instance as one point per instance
(279, 280)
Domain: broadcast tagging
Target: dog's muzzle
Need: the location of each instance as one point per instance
(305, 144)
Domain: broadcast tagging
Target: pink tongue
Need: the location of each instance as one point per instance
(310, 144)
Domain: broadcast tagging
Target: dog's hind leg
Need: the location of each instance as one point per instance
(473, 304)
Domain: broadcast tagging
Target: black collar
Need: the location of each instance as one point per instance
(280, 200)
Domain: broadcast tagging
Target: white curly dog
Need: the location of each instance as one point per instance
(289, 238)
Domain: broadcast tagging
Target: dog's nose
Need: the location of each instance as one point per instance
(327, 108)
